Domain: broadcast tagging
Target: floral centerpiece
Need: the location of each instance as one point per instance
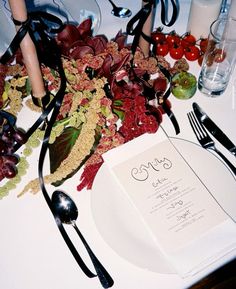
(111, 97)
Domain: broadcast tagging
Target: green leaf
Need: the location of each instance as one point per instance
(63, 144)
(119, 113)
(28, 87)
(117, 102)
(61, 148)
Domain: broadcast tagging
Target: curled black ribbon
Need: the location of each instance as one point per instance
(164, 12)
(41, 26)
(56, 107)
(139, 19)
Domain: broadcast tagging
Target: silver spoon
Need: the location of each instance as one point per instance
(120, 11)
(67, 211)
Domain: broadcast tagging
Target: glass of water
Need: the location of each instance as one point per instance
(220, 57)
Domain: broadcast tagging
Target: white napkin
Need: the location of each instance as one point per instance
(188, 225)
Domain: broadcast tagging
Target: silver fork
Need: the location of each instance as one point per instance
(205, 140)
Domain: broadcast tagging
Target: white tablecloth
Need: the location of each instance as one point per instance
(32, 252)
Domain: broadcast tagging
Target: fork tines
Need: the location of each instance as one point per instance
(196, 125)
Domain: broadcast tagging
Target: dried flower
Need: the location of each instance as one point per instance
(105, 83)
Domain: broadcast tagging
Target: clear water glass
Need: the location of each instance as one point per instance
(219, 59)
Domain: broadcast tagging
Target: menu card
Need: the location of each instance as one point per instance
(177, 208)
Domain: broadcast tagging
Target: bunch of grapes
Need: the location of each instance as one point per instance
(9, 136)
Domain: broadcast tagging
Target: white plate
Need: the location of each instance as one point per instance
(119, 224)
(67, 10)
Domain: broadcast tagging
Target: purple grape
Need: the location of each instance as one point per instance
(9, 171)
(10, 159)
(3, 147)
(7, 138)
(19, 136)
(1, 120)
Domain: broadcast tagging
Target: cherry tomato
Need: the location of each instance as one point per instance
(210, 59)
(219, 55)
(192, 53)
(158, 37)
(188, 40)
(203, 44)
(162, 49)
(200, 59)
(173, 39)
(176, 52)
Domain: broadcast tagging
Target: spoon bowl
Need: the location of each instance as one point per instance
(121, 12)
(65, 208)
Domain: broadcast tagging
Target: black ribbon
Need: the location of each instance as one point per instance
(163, 102)
(56, 107)
(42, 26)
(164, 12)
(139, 19)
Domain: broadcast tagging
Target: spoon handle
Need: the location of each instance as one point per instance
(102, 273)
(112, 3)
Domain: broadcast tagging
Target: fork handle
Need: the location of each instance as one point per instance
(230, 165)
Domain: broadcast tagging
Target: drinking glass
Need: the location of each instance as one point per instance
(220, 57)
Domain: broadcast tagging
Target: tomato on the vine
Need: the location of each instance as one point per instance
(200, 60)
(176, 52)
(181, 46)
(158, 36)
(188, 40)
(219, 55)
(203, 44)
(192, 53)
(162, 48)
(173, 39)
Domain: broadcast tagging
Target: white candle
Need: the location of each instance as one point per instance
(147, 29)
(28, 50)
(202, 14)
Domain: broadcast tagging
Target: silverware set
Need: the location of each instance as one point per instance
(200, 123)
